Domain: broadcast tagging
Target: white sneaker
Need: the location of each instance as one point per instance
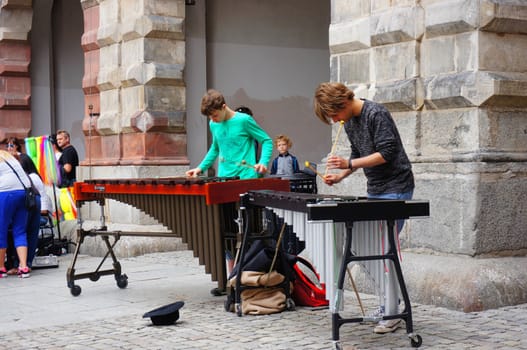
(379, 312)
(387, 326)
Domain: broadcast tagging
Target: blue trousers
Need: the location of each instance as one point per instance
(13, 213)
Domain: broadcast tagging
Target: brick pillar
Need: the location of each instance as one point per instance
(15, 56)
(92, 108)
(139, 55)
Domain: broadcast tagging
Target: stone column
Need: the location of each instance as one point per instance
(138, 99)
(453, 74)
(133, 80)
(15, 57)
(92, 108)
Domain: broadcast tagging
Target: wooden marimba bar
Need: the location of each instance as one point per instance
(199, 210)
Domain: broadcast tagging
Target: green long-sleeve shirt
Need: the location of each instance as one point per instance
(233, 145)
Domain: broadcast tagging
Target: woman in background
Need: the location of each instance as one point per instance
(13, 211)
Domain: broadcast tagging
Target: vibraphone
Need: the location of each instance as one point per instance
(199, 210)
(339, 231)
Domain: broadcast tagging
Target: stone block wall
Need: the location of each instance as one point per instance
(15, 56)
(454, 76)
(134, 63)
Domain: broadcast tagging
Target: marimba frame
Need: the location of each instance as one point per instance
(200, 211)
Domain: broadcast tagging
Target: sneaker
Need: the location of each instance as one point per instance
(218, 292)
(23, 272)
(3, 272)
(387, 326)
(13, 271)
(379, 312)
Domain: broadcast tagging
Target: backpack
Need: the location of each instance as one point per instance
(307, 288)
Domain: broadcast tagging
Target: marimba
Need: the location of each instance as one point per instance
(199, 210)
(339, 231)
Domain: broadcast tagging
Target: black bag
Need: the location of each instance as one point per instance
(31, 198)
(259, 257)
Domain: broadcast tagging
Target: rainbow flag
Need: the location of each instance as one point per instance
(40, 150)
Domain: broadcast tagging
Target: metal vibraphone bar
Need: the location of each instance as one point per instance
(323, 242)
(202, 211)
(342, 231)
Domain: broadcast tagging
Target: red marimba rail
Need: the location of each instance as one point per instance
(215, 190)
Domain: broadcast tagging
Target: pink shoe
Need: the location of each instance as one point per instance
(23, 272)
(3, 272)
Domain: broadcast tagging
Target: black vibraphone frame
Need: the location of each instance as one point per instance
(350, 210)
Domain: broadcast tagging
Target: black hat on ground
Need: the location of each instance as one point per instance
(165, 315)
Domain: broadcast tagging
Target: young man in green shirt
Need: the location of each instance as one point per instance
(233, 136)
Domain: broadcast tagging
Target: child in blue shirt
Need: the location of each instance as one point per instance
(285, 163)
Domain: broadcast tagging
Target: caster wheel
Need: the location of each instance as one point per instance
(94, 277)
(122, 281)
(75, 290)
(416, 341)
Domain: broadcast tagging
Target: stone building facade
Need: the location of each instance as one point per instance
(454, 76)
(453, 73)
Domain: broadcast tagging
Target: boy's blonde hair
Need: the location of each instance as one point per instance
(284, 138)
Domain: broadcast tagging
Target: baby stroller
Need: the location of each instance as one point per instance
(48, 248)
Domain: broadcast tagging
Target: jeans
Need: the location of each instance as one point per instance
(33, 229)
(405, 195)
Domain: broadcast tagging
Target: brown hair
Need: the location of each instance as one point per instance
(63, 132)
(284, 138)
(331, 98)
(14, 141)
(211, 101)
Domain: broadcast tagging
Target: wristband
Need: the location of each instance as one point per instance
(349, 164)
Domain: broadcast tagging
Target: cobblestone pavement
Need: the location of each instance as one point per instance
(40, 313)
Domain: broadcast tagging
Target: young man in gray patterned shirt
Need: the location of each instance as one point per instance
(376, 147)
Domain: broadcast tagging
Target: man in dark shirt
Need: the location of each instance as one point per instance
(375, 146)
(68, 161)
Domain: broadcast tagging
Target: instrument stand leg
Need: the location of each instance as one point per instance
(231, 294)
(75, 290)
(121, 279)
(336, 319)
(239, 259)
(391, 290)
(391, 295)
(406, 314)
